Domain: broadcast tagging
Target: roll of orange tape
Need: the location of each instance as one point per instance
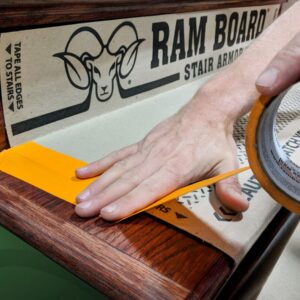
(277, 174)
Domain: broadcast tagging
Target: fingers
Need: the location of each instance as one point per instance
(283, 70)
(229, 193)
(122, 200)
(101, 196)
(99, 166)
(92, 206)
(229, 190)
(150, 190)
(109, 176)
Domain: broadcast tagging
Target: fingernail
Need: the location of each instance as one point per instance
(83, 195)
(237, 191)
(82, 169)
(84, 205)
(240, 196)
(268, 78)
(245, 201)
(110, 209)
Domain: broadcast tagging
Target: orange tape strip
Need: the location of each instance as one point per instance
(44, 168)
(53, 172)
(190, 188)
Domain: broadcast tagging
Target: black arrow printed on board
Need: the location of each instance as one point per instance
(180, 216)
(12, 107)
(8, 49)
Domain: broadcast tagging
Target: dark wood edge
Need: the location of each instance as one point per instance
(39, 228)
(4, 144)
(203, 290)
(118, 275)
(31, 14)
(223, 266)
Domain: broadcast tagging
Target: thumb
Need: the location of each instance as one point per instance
(229, 190)
(283, 70)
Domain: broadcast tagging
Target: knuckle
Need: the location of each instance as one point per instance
(135, 148)
(120, 164)
(130, 179)
(291, 51)
(232, 183)
(113, 155)
(140, 145)
(174, 172)
(151, 188)
(148, 138)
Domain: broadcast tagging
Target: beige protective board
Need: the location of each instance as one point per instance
(59, 76)
(199, 213)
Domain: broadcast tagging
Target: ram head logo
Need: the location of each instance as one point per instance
(89, 62)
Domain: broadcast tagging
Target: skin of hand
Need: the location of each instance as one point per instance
(194, 144)
(283, 70)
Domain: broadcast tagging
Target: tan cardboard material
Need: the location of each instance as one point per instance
(59, 76)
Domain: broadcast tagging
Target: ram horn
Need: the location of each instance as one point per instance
(124, 42)
(76, 70)
(83, 45)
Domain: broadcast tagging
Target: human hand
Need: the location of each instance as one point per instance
(194, 144)
(283, 71)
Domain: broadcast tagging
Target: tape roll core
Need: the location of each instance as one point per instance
(278, 175)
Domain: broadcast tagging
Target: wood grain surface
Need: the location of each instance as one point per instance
(141, 258)
(3, 136)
